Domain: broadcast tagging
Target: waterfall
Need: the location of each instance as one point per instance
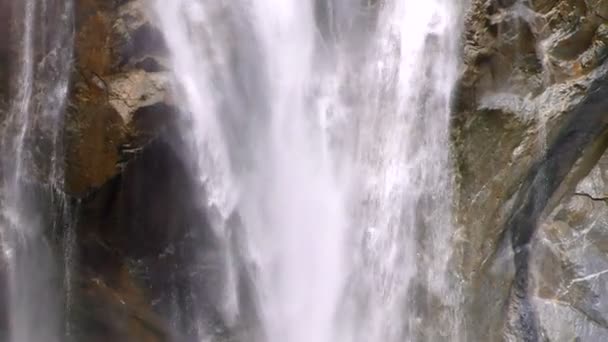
(32, 169)
(323, 128)
(402, 216)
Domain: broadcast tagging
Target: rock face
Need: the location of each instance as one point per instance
(118, 79)
(138, 256)
(531, 122)
(130, 194)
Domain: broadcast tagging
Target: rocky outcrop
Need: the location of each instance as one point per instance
(117, 211)
(531, 122)
(118, 78)
(139, 275)
(131, 199)
(570, 261)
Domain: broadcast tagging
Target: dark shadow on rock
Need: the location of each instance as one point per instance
(149, 268)
(585, 126)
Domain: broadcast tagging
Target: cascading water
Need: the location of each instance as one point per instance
(32, 171)
(323, 126)
(402, 162)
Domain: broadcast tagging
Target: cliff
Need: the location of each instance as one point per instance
(530, 134)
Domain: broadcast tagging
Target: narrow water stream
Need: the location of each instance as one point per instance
(31, 180)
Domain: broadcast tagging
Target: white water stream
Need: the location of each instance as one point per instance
(32, 169)
(324, 127)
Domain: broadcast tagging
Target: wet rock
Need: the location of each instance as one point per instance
(118, 74)
(529, 125)
(574, 240)
(139, 43)
(129, 92)
(117, 154)
(144, 273)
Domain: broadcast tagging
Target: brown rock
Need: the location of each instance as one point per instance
(116, 76)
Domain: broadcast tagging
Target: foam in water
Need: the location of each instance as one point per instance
(324, 128)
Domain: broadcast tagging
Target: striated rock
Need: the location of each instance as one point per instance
(530, 124)
(571, 262)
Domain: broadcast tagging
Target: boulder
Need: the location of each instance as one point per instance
(118, 76)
